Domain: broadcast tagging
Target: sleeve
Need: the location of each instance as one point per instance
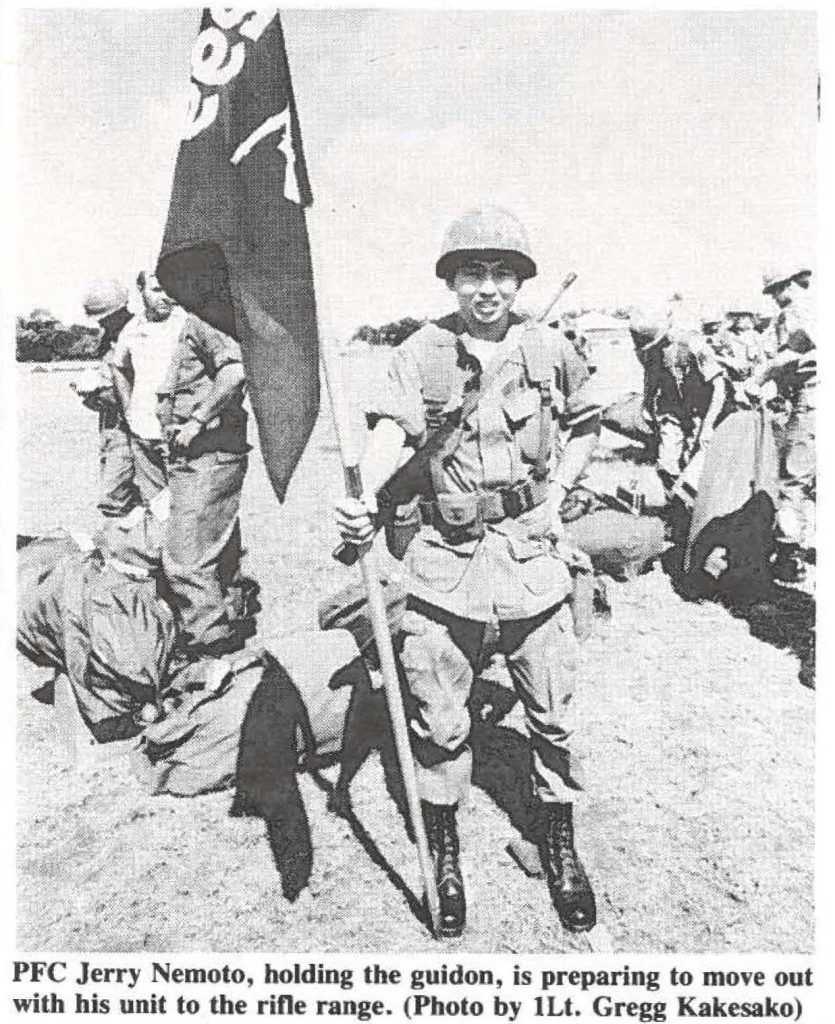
(581, 398)
(401, 397)
(119, 355)
(216, 348)
(798, 334)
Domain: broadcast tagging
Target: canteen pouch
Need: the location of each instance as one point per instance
(460, 514)
(402, 528)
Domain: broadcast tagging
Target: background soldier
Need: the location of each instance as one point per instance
(204, 421)
(140, 363)
(106, 302)
(684, 389)
(481, 565)
(794, 371)
(746, 343)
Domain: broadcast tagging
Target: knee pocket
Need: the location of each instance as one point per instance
(439, 677)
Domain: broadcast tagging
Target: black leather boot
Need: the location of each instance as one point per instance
(442, 833)
(568, 883)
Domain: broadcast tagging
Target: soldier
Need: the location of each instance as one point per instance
(139, 365)
(794, 371)
(746, 343)
(684, 389)
(106, 302)
(711, 326)
(481, 564)
(202, 415)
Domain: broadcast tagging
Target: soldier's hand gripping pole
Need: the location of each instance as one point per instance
(382, 637)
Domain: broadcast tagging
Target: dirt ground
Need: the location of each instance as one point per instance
(697, 826)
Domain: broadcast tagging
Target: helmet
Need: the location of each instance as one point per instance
(779, 273)
(104, 297)
(650, 326)
(488, 230)
(740, 313)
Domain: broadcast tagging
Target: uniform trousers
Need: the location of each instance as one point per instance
(441, 654)
(672, 445)
(796, 511)
(150, 460)
(202, 550)
(118, 492)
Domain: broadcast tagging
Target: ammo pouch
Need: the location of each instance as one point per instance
(461, 517)
(458, 515)
(401, 528)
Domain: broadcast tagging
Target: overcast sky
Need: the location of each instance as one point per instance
(646, 151)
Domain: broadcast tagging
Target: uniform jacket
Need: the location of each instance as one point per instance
(508, 573)
(199, 354)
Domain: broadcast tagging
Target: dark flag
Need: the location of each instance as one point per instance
(235, 250)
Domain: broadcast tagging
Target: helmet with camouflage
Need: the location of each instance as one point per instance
(489, 232)
(104, 297)
(780, 273)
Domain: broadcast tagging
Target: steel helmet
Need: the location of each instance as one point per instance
(105, 297)
(489, 231)
(779, 273)
(650, 326)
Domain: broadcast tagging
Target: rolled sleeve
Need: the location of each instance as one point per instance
(401, 398)
(119, 355)
(798, 333)
(216, 348)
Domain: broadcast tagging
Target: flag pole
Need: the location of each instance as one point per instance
(382, 638)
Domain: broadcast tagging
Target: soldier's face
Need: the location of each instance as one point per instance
(158, 303)
(485, 291)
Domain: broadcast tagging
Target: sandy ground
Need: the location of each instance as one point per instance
(698, 745)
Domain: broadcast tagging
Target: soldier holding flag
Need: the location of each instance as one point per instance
(480, 570)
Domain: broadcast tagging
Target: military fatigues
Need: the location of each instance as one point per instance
(481, 561)
(202, 551)
(679, 387)
(118, 492)
(797, 386)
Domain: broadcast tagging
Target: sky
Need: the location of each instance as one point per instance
(647, 151)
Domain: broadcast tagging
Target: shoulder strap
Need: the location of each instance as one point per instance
(540, 372)
(472, 396)
(436, 360)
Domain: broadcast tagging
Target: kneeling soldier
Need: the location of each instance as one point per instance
(482, 561)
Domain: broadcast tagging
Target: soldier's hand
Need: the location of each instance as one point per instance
(181, 435)
(354, 520)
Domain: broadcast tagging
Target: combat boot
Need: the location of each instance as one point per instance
(568, 883)
(442, 833)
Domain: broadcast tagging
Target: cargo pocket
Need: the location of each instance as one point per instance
(537, 568)
(436, 563)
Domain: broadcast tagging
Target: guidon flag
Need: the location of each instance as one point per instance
(235, 250)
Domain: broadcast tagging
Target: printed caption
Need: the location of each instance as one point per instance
(323, 990)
